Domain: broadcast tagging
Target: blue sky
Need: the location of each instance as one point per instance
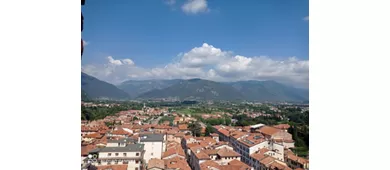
(228, 40)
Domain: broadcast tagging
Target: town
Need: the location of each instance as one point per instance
(208, 136)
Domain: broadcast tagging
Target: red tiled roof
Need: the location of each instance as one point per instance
(172, 151)
(297, 159)
(240, 164)
(156, 163)
(267, 130)
(176, 163)
(224, 132)
(183, 127)
(112, 167)
(209, 163)
(224, 152)
(94, 135)
(85, 149)
(120, 132)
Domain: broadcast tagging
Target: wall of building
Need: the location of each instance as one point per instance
(289, 145)
(120, 154)
(115, 145)
(152, 150)
(282, 135)
(226, 160)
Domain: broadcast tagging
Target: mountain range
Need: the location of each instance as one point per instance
(93, 88)
(192, 89)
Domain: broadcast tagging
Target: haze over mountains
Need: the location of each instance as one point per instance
(192, 89)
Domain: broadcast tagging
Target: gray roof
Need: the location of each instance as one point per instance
(124, 140)
(128, 148)
(151, 137)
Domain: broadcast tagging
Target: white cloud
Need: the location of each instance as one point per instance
(195, 6)
(208, 62)
(128, 61)
(115, 62)
(306, 18)
(203, 56)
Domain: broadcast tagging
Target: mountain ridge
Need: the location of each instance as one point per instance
(93, 88)
(194, 89)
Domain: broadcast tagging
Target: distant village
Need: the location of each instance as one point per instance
(138, 140)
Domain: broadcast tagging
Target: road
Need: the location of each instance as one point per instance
(155, 121)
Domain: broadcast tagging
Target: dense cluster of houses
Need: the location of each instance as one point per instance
(132, 145)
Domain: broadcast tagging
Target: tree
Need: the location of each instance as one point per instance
(228, 121)
(135, 118)
(195, 128)
(209, 130)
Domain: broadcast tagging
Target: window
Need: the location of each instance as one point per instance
(137, 154)
(136, 162)
(136, 168)
(109, 154)
(124, 154)
(151, 154)
(116, 154)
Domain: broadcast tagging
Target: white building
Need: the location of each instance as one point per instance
(131, 154)
(154, 145)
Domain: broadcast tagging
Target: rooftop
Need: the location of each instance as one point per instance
(151, 137)
(156, 163)
(128, 148)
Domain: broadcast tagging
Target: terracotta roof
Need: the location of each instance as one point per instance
(224, 132)
(120, 132)
(180, 134)
(224, 152)
(85, 149)
(252, 139)
(177, 163)
(258, 156)
(172, 144)
(297, 159)
(172, 151)
(94, 135)
(279, 166)
(240, 164)
(238, 134)
(156, 163)
(211, 151)
(209, 163)
(267, 160)
(112, 167)
(214, 135)
(267, 130)
(183, 127)
(232, 167)
(191, 145)
(199, 153)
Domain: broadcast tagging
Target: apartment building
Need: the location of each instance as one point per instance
(154, 145)
(132, 155)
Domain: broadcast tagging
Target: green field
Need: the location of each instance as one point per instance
(194, 111)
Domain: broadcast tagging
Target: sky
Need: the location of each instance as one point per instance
(219, 40)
